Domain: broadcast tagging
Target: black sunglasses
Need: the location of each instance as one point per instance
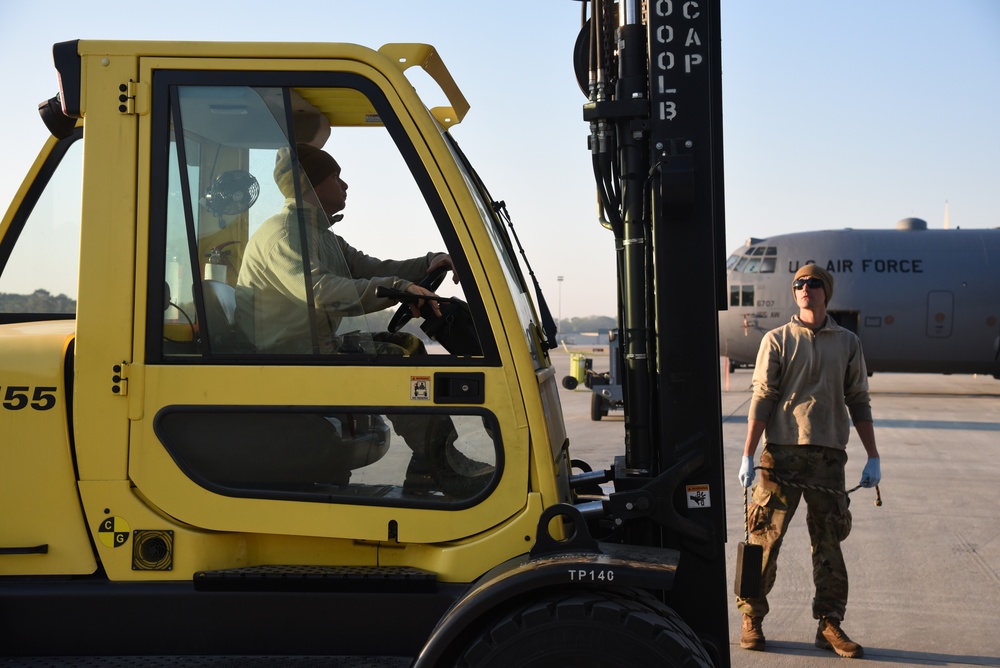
(813, 283)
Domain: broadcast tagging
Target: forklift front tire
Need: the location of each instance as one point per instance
(593, 628)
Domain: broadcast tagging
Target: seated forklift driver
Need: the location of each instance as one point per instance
(271, 294)
(277, 313)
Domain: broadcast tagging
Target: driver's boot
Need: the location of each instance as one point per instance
(461, 463)
(437, 465)
(423, 478)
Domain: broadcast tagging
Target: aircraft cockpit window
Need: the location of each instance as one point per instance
(757, 260)
(741, 295)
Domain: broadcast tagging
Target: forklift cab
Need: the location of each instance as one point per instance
(331, 407)
(358, 436)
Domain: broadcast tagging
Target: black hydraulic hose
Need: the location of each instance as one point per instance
(610, 201)
(633, 161)
(596, 22)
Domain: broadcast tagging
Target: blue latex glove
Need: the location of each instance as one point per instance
(746, 472)
(872, 473)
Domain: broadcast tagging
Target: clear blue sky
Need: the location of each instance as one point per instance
(853, 113)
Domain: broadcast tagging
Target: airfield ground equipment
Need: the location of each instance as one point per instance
(175, 480)
(580, 367)
(606, 386)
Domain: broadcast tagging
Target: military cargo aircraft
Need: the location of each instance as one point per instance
(922, 300)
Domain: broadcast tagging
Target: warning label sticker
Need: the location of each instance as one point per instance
(420, 388)
(698, 496)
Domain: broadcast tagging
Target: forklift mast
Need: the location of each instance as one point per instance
(652, 74)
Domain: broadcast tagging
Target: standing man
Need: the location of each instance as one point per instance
(809, 380)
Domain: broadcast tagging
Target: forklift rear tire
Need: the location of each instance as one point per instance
(597, 409)
(588, 628)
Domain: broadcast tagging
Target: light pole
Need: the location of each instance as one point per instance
(560, 280)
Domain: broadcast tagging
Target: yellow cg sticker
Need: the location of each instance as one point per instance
(113, 532)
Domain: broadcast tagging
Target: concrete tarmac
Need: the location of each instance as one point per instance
(924, 567)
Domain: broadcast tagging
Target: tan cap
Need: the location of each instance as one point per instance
(314, 163)
(817, 272)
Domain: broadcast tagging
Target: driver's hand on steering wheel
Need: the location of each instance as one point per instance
(423, 292)
(441, 261)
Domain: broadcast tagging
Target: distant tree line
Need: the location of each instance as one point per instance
(600, 324)
(570, 329)
(40, 301)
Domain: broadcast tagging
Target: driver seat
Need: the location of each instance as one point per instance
(220, 311)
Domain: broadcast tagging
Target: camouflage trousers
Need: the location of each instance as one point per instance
(827, 517)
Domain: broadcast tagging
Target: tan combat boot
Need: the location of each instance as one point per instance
(829, 635)
(752, 637)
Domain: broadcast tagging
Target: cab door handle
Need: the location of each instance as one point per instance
(459, 388)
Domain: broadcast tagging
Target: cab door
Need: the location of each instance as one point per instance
(273, 403)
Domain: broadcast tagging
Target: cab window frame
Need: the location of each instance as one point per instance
(161, 135)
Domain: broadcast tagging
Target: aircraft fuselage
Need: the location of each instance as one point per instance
(920, 300)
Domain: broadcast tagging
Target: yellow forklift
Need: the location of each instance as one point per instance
(243, 414)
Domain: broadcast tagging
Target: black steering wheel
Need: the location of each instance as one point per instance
(403, 314)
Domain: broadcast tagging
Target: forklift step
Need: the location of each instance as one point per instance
(284, 578)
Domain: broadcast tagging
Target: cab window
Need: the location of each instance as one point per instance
(293, 227)
(40, 254)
